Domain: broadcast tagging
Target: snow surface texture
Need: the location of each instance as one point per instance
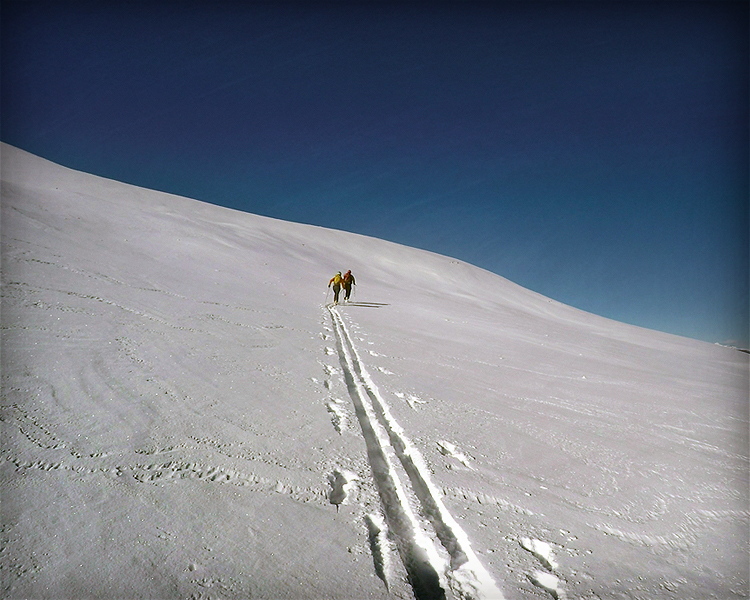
(185, 416)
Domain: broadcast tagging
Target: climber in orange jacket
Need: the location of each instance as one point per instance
(348, 282)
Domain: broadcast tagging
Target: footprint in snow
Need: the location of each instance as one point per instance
(450, 450)
(329, 370)
(411, 399)
(338, 416)
(341, 483)
(542, 550)
(548, 582)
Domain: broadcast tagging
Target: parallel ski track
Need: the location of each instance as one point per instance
(385, 439)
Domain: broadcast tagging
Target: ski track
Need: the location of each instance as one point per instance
(386, 444)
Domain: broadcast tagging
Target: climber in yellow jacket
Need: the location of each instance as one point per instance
(336, 282)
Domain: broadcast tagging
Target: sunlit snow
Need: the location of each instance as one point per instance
(185, 415)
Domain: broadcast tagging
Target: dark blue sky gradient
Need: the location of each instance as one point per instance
(594, 152)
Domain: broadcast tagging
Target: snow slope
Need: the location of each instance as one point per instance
(184, 416)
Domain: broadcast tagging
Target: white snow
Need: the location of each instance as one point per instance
(184, 417)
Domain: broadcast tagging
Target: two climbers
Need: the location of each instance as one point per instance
(338, 281)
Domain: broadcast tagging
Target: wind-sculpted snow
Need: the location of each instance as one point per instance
(182, 417)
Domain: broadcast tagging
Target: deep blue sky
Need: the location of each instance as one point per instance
(594, 152)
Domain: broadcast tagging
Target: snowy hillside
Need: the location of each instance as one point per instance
(184, 416)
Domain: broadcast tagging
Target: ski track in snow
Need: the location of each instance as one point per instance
(387, 446)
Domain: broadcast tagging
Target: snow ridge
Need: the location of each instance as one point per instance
(466, 576)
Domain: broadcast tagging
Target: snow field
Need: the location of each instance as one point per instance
(183, 417)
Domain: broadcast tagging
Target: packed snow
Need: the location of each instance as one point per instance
(186, 414)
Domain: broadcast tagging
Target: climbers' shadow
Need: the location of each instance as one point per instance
(365, 304)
